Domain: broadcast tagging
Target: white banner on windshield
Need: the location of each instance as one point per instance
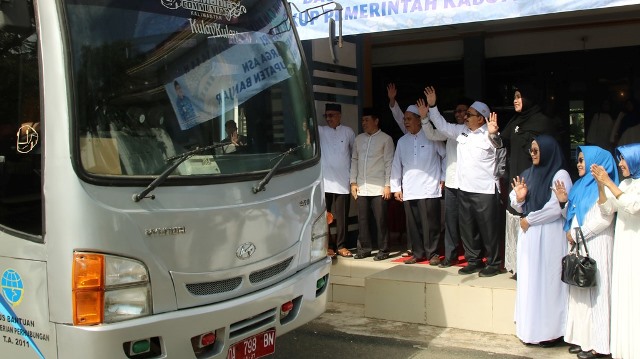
(232, 77)
(361, 17)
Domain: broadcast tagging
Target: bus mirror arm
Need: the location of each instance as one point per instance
(137, 197)
(338, 8)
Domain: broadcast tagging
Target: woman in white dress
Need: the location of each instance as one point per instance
(541, 297)
(625, 281)
(589, 308)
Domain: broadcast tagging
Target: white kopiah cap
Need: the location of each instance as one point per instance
(482, 108)
(413, 109)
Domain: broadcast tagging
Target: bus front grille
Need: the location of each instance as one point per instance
(208, 288)
(247, 325)
(271, 271)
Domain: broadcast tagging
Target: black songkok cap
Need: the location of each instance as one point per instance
(333, 107)
(369, 111)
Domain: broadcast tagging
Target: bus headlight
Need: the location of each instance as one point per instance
(109, 289)
(319, 237)
(127, 303)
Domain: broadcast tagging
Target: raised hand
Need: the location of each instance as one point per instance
(600, 174)
(392, 93)
(492, 125)
(520, 187)
(560, 191)
(422, 108)
(430, 94)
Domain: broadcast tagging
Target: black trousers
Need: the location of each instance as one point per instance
(452, 237)
(423, 226)
(338, 205)
(451, 225)
(368, 205)
(479, 215)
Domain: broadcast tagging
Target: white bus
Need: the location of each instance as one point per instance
(160, 184)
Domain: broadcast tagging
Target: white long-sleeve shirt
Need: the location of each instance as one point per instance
(336, 146)
(417, 167)
(398, 115)
(451, 177)
(451, 180)
(371, 163)
(476, 156)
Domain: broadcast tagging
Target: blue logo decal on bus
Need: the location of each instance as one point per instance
(12, 287)
(12, 293)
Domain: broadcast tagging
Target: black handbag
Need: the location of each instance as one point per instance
(579, 270)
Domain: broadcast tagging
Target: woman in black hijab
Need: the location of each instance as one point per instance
(528, 122)
(541, 298)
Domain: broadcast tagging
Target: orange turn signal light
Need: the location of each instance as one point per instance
(88, 288)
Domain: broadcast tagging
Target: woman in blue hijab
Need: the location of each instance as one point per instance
(541, 297)
(625, 280)
(588, 311)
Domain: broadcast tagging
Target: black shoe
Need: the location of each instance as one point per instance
(489, 271)
(575, 349)
(592, 355)
(471, 268)
(414, 260)
(434, 260)
(361, 255)
(381, 256)
(550, 343)
(445, 263)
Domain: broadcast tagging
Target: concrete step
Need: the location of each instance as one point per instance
(423, 294)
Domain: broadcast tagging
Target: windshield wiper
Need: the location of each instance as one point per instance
(137, 197)
(262, 184)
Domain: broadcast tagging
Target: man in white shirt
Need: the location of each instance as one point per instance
(336, 143)
(370, 184)
(451, 217)
(417, 174)
(477, 183)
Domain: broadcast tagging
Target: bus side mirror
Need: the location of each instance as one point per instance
(15, 16)
(332, 40)
(332, 34)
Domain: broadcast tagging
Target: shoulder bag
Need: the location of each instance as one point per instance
(579, 270)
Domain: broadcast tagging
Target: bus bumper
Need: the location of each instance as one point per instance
(231, 321)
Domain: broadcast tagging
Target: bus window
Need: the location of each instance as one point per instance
(20, 132)
(153, 82)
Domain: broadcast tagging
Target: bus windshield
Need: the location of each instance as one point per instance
(156, 78)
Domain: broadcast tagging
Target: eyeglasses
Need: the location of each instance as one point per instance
(469, 114)
(331, 115)
(534, 151)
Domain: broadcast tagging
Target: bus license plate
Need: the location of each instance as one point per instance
(254, 347)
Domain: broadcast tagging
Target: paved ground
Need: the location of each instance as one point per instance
(344, 332)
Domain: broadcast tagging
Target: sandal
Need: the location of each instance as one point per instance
(331, 253)
(343, 252)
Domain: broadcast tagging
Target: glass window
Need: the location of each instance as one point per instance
(157, 79)
(20, 125)
(576, 121)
